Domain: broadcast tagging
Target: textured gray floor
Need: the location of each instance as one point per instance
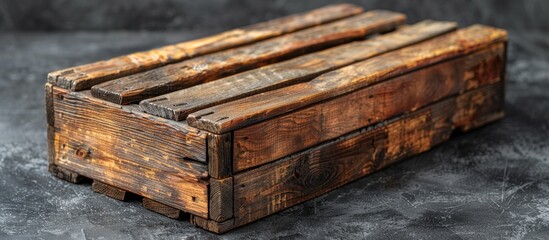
(487, 184)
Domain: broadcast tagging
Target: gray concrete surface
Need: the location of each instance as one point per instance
(491, 183)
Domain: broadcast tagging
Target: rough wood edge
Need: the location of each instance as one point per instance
(66, 174)
(221, 199)
(164, 209)
(112, 191)
(48, 94)
(213, 226)
(219, 155)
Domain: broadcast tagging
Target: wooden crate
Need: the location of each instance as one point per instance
(237, 126)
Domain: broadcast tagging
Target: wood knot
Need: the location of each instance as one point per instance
(82, 153)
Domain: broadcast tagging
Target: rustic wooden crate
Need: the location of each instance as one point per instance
(237, 126)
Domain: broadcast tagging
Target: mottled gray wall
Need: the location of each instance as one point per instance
(222, 14)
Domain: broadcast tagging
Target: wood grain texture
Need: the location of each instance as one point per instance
(286, 134)
(220, 160)
(177, 105)
(84, 76)
(246, 111)
(282, 184)
(119, 146)
(111, 191)
(164, 209)
(210, 67)
(221, 199)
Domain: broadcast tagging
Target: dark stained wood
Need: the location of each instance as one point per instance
(246, 111)
(221, 199)
(287, 182)
(177, 105)
(128, 127)
(84, 76)
(210, 67)
(50, 143)
(48, 93)
(66, 174)
(213, 226)
(164, 209)
(111, 191)
(120, 146)
(220, 155)
(283, 135)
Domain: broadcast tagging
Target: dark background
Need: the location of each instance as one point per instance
(491, 183)
(102, 15)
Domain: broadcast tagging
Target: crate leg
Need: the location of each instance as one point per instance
(112, 192)
(213, 226)
(65, 174)
(164, 209)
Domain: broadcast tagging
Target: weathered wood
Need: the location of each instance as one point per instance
(66, 174)
(111, 191)
(120, 146)
(48, 94)
(164, 209)
(213, 226)
(286, 134)
(220, 155)
(177, 105)
(246, 111)
(84, 76)
(210, 67)
(221, 199)
(284, 183)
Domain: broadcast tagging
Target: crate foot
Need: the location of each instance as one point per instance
(112, 192)
(213, 226)
(164, 209)
(67, 175)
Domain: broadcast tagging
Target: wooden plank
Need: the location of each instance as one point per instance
(111, 191)
(282, 184)
(84, 76)
(119, 147)
(213, 66)
(164, 209)
(220, 156)
(221, 199)
(244, 112)
(286, 134)
(177, 105)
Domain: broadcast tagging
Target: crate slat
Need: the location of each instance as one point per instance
(177, 105)
(206, 68)
(84, 76)
(244, 112)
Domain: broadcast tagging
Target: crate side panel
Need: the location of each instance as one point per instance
(284, 183)
(131, 152)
